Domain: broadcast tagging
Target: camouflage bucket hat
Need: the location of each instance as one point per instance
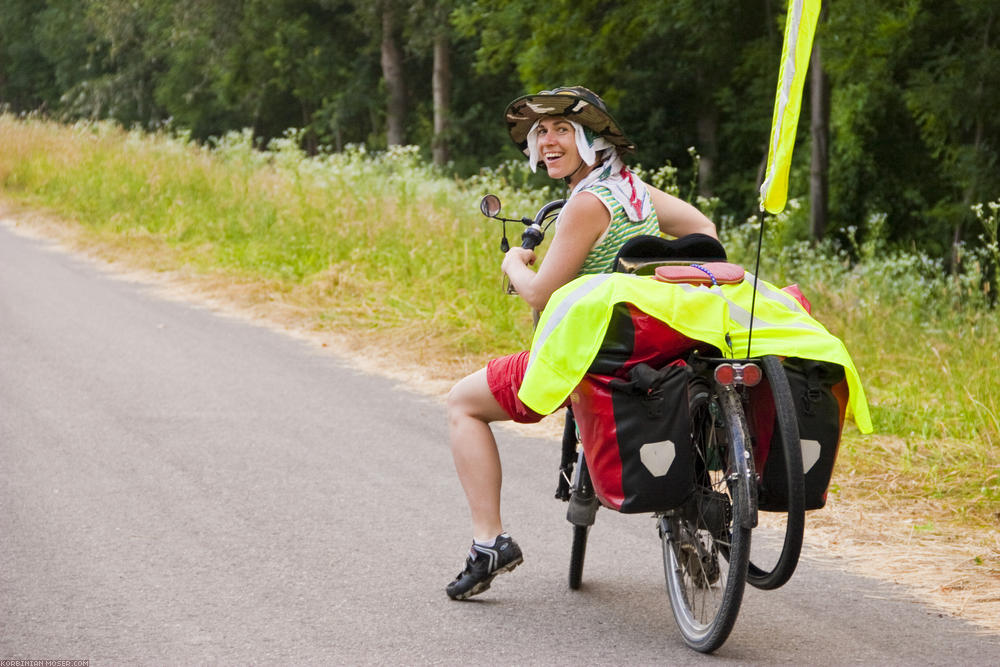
(574, 103)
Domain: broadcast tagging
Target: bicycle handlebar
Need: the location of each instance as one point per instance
(534, 232)
(532, 236)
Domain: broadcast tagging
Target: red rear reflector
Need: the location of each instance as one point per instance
(725, 375)
(752, 375)
(748, 375)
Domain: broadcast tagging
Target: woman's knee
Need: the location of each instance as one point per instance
(462, 397)
(471, 397)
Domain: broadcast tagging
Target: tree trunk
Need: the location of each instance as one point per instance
(392, 72)
(820, 126)
(441, 85)
(972, 193)
(707, 128)
(968, 199)
(310, 142)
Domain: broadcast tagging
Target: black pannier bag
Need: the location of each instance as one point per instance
(819, 392)
(636, 435)
(633, 420)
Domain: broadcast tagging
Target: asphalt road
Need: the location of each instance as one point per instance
(179, 487)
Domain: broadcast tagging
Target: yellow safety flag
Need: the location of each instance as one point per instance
(800, 25)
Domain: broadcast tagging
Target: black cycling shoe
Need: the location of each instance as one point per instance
(482, 565)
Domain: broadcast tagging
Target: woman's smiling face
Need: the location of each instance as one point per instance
(557, 146)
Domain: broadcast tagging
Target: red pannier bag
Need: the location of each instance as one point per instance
(819, 393)
(632, 413)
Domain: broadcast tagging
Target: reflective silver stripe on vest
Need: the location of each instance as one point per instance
(781, 296)
(739, 314)
(785, 299)
(559, 313)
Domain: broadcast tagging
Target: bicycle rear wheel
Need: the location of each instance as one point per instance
(770, 569)
(706, 542)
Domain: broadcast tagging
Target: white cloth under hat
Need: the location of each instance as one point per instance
(587, 147)
(626, 187)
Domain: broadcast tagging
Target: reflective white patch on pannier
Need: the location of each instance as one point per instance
(810, 454)
(657, 457)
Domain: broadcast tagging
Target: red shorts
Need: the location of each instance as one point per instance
(504, 376)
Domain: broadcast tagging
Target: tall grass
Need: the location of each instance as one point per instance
(381, 242)
(382, 246)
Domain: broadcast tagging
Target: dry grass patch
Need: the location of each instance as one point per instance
(882, 524)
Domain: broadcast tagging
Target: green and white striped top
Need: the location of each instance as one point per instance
(601, 258)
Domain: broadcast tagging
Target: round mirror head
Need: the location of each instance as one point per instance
(490, 206)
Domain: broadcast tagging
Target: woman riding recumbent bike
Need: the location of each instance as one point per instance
(680, 446)
(672, 423)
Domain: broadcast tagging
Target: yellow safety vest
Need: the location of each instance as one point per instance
(571, 330)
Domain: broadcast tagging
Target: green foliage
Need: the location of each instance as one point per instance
(984, 257)
(545, 40)
(914, 133)
(41, 46)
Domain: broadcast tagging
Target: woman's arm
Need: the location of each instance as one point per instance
(584, 219)
(679, 218)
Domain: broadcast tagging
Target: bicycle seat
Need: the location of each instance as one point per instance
(642, 254)
(709, 273)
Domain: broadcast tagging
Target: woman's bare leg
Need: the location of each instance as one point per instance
(471, 408)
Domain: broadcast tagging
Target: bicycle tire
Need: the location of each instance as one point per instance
(577, 554)
(715, 525)
(769, 577)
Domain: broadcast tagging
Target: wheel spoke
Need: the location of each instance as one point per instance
(706, 542)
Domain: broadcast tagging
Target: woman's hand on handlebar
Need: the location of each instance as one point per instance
(515, 264)
(583, 221)
(518, 256)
